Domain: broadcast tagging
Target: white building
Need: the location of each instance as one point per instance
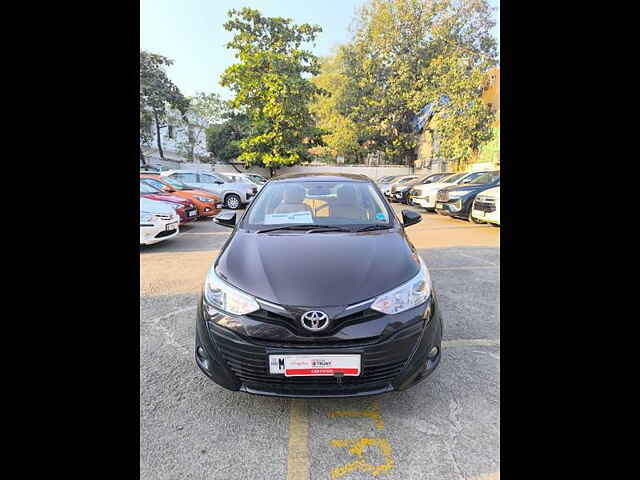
(174, 136)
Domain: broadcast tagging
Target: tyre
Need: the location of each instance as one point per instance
(232, 201)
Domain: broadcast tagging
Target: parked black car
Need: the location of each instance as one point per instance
(457, 200)
(304, 301)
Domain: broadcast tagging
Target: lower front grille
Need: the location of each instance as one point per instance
(166, 233)
(484, 207)
(381, 362)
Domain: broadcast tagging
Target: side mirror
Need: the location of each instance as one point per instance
(226, 219)
(409, 217)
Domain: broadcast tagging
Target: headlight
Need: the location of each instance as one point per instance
(457, 194)
(203, 199)
(411, 294)
(146, 217)
(223, 296)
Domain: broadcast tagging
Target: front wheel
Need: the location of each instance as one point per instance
(232, 201)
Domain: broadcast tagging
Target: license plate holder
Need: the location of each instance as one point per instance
(315, 365)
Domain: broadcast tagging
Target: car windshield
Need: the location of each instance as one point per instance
(488, 177)
(388, 179)
(453, 178)
(146, 188)
(406, 180)
(175, 183)
(322, 203)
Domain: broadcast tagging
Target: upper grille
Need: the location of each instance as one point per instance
(443, 196)
(292, 323)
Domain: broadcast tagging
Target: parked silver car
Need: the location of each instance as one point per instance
(233, 194)
(384, 183)
(397, 181)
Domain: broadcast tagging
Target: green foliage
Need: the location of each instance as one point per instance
(271, 88)
(407, 53)
(342, 137)
(223, 139)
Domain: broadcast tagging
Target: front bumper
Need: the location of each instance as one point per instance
(156, 232)
(208, 209)
(390, 362)
(458, 208)
(424, 202)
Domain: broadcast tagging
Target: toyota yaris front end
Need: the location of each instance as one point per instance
(318, 293)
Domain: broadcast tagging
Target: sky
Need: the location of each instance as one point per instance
(190, 32)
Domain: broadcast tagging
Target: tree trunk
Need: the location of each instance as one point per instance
(155, 114)
(142, 159)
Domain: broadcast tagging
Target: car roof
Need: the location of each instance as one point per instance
(321, 177)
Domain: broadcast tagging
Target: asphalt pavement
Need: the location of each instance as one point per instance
(446, 427)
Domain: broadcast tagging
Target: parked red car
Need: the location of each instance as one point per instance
(185, 208)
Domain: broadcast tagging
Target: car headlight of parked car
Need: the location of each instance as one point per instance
(146, 217)
(408, 295)
(203, 199)
(222, 296)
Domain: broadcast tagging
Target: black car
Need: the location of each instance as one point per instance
(318, 292)
(457, 200)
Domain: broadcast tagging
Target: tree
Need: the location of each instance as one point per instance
(204, 111)
(156, 92)
(271, 87)
(223, 139)
(342, 137)
(406, 54)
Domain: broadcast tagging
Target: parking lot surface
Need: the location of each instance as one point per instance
(446, 427)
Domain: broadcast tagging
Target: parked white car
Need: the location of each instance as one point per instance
(158, 221)
(425, 195)
(486, 206)
(233, 194)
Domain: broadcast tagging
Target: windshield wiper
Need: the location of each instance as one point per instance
(374, 227)
(305, 226)
(329, 228)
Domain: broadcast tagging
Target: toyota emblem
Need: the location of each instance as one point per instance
(314, 320)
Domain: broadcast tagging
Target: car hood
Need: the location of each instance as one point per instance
(431, 186)
(202, 193)
(153, 206)
(468, 188)
(318, 269)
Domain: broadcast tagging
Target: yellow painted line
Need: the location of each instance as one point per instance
(298, 453)
(359, 465)
(373, 412)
